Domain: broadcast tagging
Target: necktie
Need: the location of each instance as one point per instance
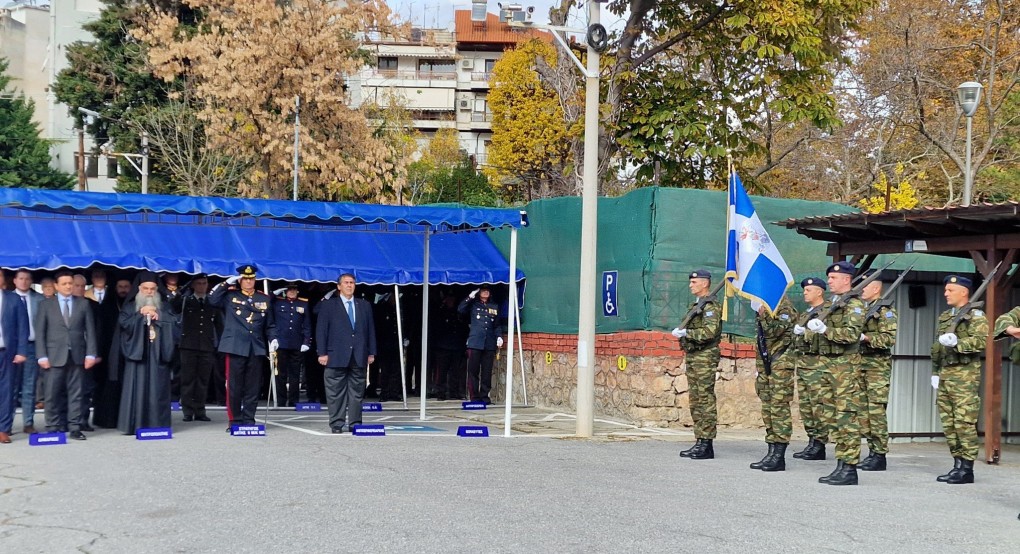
(67, 311)
(99, 296)
(350, 312)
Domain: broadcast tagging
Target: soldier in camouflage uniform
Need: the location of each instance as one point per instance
(774, 383)
(839, 338)
(1008, 325)
(815, 413)
(700, 341)
(876, 368)
(956, 374)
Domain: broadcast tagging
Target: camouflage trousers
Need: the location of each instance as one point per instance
(959, 404)
(816, 413)
(701, 389)
(874, 374)
(776, 393)
(842, 386)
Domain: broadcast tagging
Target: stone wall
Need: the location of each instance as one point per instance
(640, 377)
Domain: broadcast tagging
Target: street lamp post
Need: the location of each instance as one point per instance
(142, 169)
(596, 36)
(969, 94)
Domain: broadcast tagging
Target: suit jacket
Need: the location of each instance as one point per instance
(14, 321)
(34, 298)
(63, 343)
(335, 338)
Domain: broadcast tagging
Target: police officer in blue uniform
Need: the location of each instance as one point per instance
(484, 338)
(249, 334)
(201, 325)
(294, 333)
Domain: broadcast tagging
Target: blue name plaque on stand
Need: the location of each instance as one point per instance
(154, 433)
(257, 430)
(369, 431)
(175, 406)
(46, 439)
(472, 431)
(307, 407)
(473, 405)
(371, 407)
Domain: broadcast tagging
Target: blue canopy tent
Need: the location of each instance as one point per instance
(301, 241)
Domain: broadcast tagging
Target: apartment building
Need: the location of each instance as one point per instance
(442, 75)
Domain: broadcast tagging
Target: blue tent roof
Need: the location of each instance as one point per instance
(57, 229)
(321, 213)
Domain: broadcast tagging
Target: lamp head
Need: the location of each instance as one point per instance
(969, 94)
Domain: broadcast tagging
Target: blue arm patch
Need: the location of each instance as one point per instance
(709, 314)
(889, 315)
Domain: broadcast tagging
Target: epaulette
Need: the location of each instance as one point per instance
(302, 299)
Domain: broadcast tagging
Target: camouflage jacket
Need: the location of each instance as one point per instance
(880, 330)
(1005, 320)
(704, 330)
(971, 334)
(778, 332)
(844, 326)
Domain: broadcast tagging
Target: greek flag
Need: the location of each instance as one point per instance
(754, 267)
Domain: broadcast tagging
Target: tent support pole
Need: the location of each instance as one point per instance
(400, 346)
(423, 385)
(520, 347)
(274, 395)
(508, 399)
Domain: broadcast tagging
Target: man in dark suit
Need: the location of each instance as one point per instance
(65, 341)
(13, 351)
(248, 332)
(201, 325)
(29, 369)
(345, 341)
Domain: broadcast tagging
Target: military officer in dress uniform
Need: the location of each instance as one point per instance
(700, 341)
(815, 413)
(484, 338)
(774, 383)
(294, 333)
(839, 337)
(201, 325)
(249, 333)
(956, 375)
(877, 341)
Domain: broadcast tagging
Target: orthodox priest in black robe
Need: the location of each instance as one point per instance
(147, 347)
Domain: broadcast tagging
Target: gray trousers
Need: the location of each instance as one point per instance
(64, 398)
(345, 389)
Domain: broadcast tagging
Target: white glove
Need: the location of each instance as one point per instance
(816, 326)
(473, 294)
(329, 294)
(407, 342)
(274, 345)
(935, 382)
(279, 291)
(755, 305)
(233, 279)
(864, 337)
(499, 342)
(679, 333)
(948, 340)
(798, 329)
(305, 348)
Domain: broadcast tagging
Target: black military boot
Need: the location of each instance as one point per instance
(956, 468)
(687, 453)
(810, 444)
(839, 467)
(817, 452)
(705, 452)
(964, 475)
(847, 476)
(776, 462)
(758, 464)
(874, 462)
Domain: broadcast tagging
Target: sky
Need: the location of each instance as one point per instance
(439, 13)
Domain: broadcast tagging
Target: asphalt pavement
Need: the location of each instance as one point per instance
(302, 489)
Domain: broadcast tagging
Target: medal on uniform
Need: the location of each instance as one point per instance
(238, 312)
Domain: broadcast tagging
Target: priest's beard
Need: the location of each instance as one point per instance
(154, 300)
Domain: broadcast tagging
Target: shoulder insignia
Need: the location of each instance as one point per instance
(857, 311)
(709, 313)
(890, 314)
(784, 316)
(302, 299)
(979, 313)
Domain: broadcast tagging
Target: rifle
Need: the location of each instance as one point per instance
(852, 293)
(697, 308)
(975, 301)
(763, 348)
(886, 298)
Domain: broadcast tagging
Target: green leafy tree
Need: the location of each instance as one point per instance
(24, 155)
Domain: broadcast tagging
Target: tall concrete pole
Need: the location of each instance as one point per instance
(589, 241)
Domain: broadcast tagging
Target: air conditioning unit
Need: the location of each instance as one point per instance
(467, 63)
(465, 105)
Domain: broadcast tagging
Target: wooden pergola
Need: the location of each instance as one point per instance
(986, 233)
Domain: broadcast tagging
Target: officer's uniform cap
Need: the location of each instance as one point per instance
(841, 267)
(247, 270)
(813, 282)
(701, 274)
(959, 280)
